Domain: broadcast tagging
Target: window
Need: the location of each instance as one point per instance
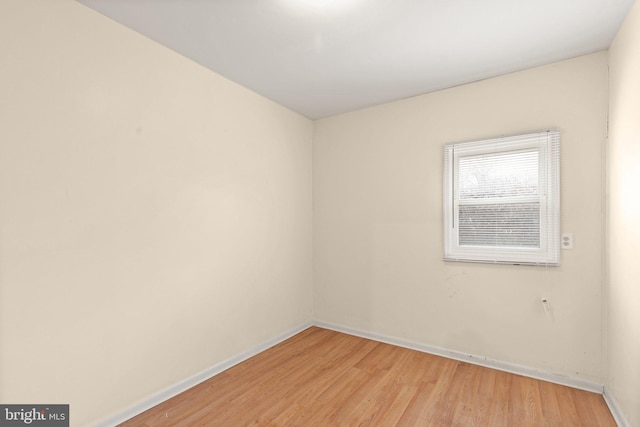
(502, 200)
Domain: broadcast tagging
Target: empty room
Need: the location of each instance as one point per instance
(309, 213)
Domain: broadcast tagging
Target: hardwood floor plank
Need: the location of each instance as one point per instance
(324, 411)
(592, 405)
(325, 378)
(429, 398)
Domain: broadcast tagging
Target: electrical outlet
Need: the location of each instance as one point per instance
(567, 241)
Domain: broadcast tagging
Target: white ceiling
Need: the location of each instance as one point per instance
(326, 57)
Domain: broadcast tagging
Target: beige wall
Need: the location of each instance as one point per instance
(623, 173)
(378, 239)
(155, 218)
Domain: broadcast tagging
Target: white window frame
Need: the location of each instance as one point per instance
(547, 144)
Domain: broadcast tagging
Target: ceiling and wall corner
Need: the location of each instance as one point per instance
(326, 57)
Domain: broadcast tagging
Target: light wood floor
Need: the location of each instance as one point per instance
(325, 378)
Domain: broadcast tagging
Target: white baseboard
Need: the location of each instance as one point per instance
(196, 379)
(470, 358)
(621, 420)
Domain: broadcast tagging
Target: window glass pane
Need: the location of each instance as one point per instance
(507, 224)
(502, 200)
(505, 174)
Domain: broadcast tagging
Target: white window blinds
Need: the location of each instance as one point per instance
(501, 200)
